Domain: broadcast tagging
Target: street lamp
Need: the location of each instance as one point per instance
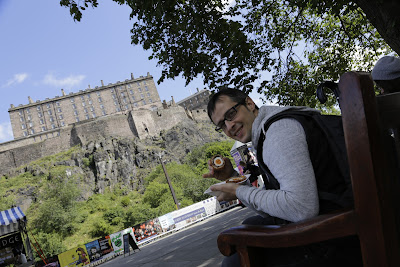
(169, 182)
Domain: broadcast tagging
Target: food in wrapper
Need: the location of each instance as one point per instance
(237, 180)
(217, 162)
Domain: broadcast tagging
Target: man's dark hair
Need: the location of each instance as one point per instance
(235, 95)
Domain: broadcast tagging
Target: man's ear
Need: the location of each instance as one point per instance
(250, 104)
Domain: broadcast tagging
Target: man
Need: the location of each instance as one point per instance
(386, 74)
(296, 162)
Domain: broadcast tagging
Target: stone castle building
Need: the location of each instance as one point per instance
(199, 100)
(125, 109)
(61, 111)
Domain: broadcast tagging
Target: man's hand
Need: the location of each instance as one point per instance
(221, 174)
(228, 191)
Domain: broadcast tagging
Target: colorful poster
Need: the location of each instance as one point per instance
(94, 251)
(117, 239)
(146, 230)
(74, 257)
(105, 245)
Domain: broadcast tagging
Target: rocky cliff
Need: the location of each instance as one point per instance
(107, 162)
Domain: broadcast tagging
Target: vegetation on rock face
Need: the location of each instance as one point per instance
(62, 191)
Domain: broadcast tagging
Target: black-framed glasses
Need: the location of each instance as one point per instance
(230, 114)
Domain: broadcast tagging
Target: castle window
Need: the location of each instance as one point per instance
(85, 110)
(118, 109)
(115, 102)
(87, 116)
(124, 100)
(58, 103)
(131, 92)
(141, 96)
(90, 102)
(126, 107)
(98, 93)
(25, 133)
(49, 111)
(135, 105)
(100, 100)
(48, 105)
(73, 106)
(103, 112)
(23, 126)
(59, 110)
(21, 119)
(88, 96)
(122, 94)
(113, 96)
(129, 85)
(38, 108)
(150, 101)
(53, 126)
(133, 98)
(77, 119)
(29, 117)
(20, 112)
(61, 117)
(91, 108)
(32, 131)
(144, 82)
(112, 90)
(148, 94)
(138, 83)
(140, 90)
(51, 119)
(75, 112)
(144, 102)
(41, 121)
(30, 124)
(146, 88)
(43, 128)
(83, 98)
(28, 110)
(121, 87)
(94, 115)
(62, 123)
(101, 106)
(72, 100)
(83, 104)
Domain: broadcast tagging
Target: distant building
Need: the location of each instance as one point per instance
(199, 100)
(50, 114)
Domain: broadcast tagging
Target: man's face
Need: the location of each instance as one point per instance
(239, 128)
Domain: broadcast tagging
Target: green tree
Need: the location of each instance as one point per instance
(50, 243)
(300, 42)
(58, 210)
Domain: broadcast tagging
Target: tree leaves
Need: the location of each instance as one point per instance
(282, 49)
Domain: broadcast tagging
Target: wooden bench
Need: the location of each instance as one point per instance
(370, 125)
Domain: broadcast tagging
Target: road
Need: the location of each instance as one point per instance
(194, 246)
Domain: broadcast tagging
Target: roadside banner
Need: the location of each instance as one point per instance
(94, 251)
(148, 229)
(117, 239)
(74, 257)
(105, 245)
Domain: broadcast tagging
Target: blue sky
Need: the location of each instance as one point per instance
(44, 50)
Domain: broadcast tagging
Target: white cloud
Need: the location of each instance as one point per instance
(6, 132)
(18, 78)
(66, 82)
